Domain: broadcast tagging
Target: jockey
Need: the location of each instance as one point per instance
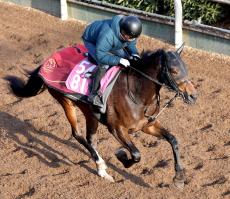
(106, 41)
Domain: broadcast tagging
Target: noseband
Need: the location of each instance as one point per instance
(165, 75)
(166, 80)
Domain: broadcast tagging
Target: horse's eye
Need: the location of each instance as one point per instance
(174, 71)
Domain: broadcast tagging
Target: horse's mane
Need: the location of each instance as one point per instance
(152, 54)
(148, 58)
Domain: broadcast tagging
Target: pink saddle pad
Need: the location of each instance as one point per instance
(79, 81)
(68, 70)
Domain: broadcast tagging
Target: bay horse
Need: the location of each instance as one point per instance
(131, 106)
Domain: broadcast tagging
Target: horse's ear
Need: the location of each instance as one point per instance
(180, 49)
(142, 52)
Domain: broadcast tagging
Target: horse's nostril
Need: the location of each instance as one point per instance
(193, 97)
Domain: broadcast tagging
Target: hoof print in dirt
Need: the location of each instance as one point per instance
(161, 164)
(28, 48)
(211, 148)
(226, 193)
(220, 180)
(163, 185)
(146, 171)
(208, 126)
(151, 144)
(217, 91)
(28, 193)
(227, 143)
(199, 166)
(60, 47)
(37, 58)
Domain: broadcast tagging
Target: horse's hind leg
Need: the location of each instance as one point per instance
(91, 125)
(156, 130)
(91, 129)
(70, 112)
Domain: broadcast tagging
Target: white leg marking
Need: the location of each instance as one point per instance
(101, 169)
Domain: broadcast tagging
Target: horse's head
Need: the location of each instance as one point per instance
(167, 69)
(174, 75)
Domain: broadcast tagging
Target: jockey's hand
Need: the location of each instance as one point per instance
(135, 57)
(124, 62)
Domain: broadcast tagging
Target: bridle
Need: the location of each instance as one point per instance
(165, 75)
(166, 80)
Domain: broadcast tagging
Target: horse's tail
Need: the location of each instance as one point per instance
(29, 89)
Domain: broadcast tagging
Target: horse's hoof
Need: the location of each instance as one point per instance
(104, 174)
(178, 183)
(121, 154)
(123, 157)
(109, 178)
(179, 179)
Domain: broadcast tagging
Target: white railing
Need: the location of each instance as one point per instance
(221, 1)
(178, 23)
(64, 10)
(179, 19)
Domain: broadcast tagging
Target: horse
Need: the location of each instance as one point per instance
(132, 106)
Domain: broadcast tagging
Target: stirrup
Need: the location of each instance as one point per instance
(95, 100)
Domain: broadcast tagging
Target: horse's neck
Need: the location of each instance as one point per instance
(144, 90)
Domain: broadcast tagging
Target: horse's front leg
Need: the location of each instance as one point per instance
(155, 129)
(122, 135)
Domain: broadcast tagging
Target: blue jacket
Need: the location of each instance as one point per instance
(105, 36)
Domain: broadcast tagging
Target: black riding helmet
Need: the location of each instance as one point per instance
(131, 26)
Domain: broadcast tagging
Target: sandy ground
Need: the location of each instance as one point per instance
(38, 160)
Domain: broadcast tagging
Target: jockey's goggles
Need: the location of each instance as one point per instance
(126, 37)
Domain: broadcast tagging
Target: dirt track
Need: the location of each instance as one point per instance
(38, 160)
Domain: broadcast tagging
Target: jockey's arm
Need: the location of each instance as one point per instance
(103, 47)
(132, 49)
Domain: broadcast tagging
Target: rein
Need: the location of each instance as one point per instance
(172, 86)
(147, 76)
(153, 118)
(143, 74)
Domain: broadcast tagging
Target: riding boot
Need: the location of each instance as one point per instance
(94, 98)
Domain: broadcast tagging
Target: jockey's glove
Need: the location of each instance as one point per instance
(124, 62)
(135, 57)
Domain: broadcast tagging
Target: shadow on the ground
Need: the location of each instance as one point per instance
(24, 135)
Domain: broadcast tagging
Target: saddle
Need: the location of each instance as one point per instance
(70, 71)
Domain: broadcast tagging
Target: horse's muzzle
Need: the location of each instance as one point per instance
(188, 92)
(189, 99)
